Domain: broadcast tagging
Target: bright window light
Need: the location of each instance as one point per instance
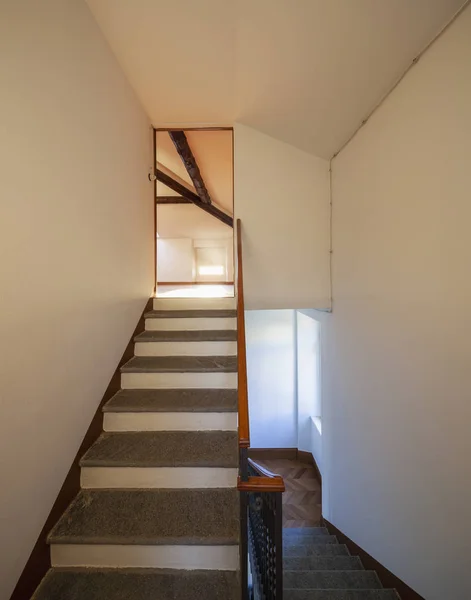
(211, 270)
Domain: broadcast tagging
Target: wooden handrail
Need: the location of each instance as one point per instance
(243, 396)
(261, 484)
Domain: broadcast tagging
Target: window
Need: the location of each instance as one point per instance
(211, 270)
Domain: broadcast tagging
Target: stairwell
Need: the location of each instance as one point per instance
(317, 567)
(158, 513)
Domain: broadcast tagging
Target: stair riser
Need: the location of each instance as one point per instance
(315, 550)
(340, 595)
(161, 421)
(156, 381)
(191, 324)
(159, 477)
(194, 304)
(185, 349)
(320, 539)
(331, 580)
(159, 557)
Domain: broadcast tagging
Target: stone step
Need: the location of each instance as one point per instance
(205, 335)
(164, 449)
(194, 320)
(323, 563)
(186, 343)
(302, 541)
(190, 314)
(150, 517)
(194, 303)
(182, 372)
(331, 580)
(138, 584)
(192, 400)
(181, 364)
(340, 595)
(304, 531)
(315, 550)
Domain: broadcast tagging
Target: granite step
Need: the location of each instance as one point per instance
(181, 364)
(150, 517)
(289, 594)
(189, 314)
(308, 532)
(331, 580)
(169, 303)
(138, 584)
(204, 335)
(197, 400)
(315, 550)
(302, 541)
(323, 563)
(164, 449)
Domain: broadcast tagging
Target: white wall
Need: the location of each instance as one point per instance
(282, 197)
(397, 406)
(175, 260)
(76, 249)
(270, 336)
(308, 378)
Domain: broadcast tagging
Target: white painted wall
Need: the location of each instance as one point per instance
(175, 260)
(224, 246)
(308, 378)
(270, 336)
(397, 410)
(283, 367)
(75, 249)
(282, 197)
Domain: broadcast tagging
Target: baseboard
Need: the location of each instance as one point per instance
(195, 283)
(308, 457)
(39, 561)
(388, 579)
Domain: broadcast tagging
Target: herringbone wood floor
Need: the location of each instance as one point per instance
(302, 498)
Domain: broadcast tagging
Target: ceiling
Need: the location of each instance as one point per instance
(213, 153)
(306, 72)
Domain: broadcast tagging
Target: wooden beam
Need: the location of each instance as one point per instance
(189, 195)
(172, 200)
(183, 148)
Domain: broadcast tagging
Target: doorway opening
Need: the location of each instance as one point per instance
(194, 212)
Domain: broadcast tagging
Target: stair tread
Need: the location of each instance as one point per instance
(168, 517)
(304, 541)
(304, 531)
(203, 335)
(222, 313)
(164, 449)
(329, 580)
(138, 584)
(315, 550)
(181, 364)
(190, 400)
(367, 594)
(322, 563)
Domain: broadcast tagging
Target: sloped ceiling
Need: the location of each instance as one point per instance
(213, 153)
(303, 71)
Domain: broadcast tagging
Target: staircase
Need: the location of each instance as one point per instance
(317, 567)
(157, 517)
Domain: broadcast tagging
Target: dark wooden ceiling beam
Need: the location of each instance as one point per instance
(172, 200)
(176, 186)
(183, 148)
